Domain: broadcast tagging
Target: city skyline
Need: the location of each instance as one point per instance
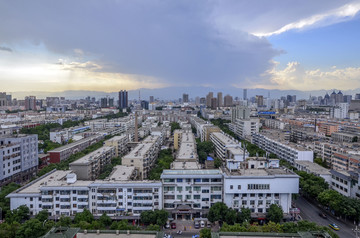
(131, 45)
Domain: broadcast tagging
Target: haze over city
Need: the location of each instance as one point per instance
(112, 45)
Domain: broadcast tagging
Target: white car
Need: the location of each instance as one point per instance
(202, 224)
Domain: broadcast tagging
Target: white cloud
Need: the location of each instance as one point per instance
(294, 76)
(340, 14)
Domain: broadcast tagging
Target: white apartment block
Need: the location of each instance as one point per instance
(189, 194)
(119, 143)
(61, 193)
(274, 124)
(258, 188)
(90, 166)
(313, 168)
(187, 148)
(18, 158)
(226, 147)
(282, 149)
(144, 155)
(245, 128)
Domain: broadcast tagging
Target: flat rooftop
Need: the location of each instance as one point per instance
(313, 167)
(191, 172)
(76, 143)
(225, 139)
(187, 151)
(185, 165)
(260, 172)
(139, 151)
(236, 150)
(279, 136)
(117, 138)
(150, 139)
(87, 159)
(121, 172)
(56, 179)
(187, 137)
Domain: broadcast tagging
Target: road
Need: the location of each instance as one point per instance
(310, 212)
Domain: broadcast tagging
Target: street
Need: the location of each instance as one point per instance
(310, 212)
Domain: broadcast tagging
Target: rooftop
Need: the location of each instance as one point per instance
(185, 165)
(187, 151)
(65, 147)
(192, 172)
(92, 156)
(121, 172)
(139, 151)
(313, 167)
(225, 139)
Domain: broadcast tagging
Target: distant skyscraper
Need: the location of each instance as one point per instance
(185, 97)
(3, 100)
(203, 101)
(219, 99)
(30, 103)
(151, 99)
(228, 101)
(245, 93)
(208, 99)
(111, 102)
(197, 101)
(103, 102)
(123, 99)
(145, 105)
(347, 98)
(214, 103)
(260, 100)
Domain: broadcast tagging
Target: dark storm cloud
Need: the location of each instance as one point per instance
(5, 49)
(176, 41)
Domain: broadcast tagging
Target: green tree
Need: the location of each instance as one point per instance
(64, 221)
(105, 220)
(96, 225)
(275, 213)
(85, 225)
(218, 212)
(42, 215)
(32, 228)
(174, 126)
(114, 225)
(5, 202)
(217, 163)
(84, 216)
(152, 227)
(230, 217)
(244, 215)
(8, 230)
(205, 233)
(272, 227)
(19, 215)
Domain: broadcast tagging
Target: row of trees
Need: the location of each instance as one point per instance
(288, 227)
(315, 187)
(17, 223)
(204, 149)
(163, 161)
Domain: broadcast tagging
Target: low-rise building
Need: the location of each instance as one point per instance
(91, 165)
(119, 143)
(64, 152)
(226, 147)
(313, 168)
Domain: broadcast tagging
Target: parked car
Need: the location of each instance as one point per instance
(323, 215)
(208, 224)
(334, 226)
(197, 225)
(202, 224)
(173, 225)
(167, 225)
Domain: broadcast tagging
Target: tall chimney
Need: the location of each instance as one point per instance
(136, 128)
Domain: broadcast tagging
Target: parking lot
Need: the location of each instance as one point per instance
(187, 228)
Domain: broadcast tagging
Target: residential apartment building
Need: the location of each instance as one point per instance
(119, 143)
(313, 168)
(246, 128)
(18, 158)
(226, 147)
(64, 152)
(61, 193)
(327, 128)
(143, 156)
(271, 142)
(274, 124)
(346, 183)
(189, 194)
(344, 137)
(342, 161)
(91, 165)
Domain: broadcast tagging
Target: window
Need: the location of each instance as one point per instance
(169, 180)
(216, 180)
(179, 189)
(129, 190)
(179, 180)
(260, 202)
(188, 197)
(120, 190)
(252, 202)
(187, 188)
(197, 188)
(258, 186)
(129, 197)
(188, 180)
(196, 196)
(231, 186)
(179, 197)
(197, 180)
(120, 197)
(244, 202)
(239, 187)
(74, 198)
(205, 191)
(205, 199)
(206, 180)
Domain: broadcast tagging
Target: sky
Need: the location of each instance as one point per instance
(110, 45)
